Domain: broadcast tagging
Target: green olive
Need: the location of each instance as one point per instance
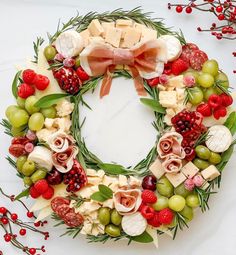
(161, 203)
(193, 201)
(215, 158)
(27, 181)
(21, 102)
(38, 175)
(28, 168)
(112, 230)
(49, 112)
(77, 61)
(20, 162)
(115, 217)
(201, 164)
(50, 52)
(203, 152)
(104, 215)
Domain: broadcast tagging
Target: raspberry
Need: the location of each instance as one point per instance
(49, 193)
(214, 101)
(33, 192)
(227, 100)
(41, 82)
(220, 112)
(147, 212)
(204, 109)
(25, 90)
(149, 196)
(82, 74)
(164, 79)
(153, 82)
(167, 68)
(28, 76)
(166, 216)
(154, 221)
(41, 186)
(179, 66)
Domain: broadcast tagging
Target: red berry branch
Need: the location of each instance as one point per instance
(11, 225)
(225, 12)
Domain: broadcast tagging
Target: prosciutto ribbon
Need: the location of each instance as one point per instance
(145, 60)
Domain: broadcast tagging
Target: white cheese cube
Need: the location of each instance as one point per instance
(85, 35)
(106, 26)
(139, 26)
(95, 28)
(91, 172)
(134, 182)
(113, 36)
(205, 185)
(170, 112)
(123, 181)
(131, 37)
(180, 94)
(167, 120)
(189, 170)
(96, 39)
(176, 179)
(157, 169)
(176, 82)
(124, 22)
(210, 173)
(109, 203)
(168, 99)
(148, 34)
(94, 180)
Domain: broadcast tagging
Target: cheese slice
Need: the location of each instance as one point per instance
(131, 37)
(124, 22)
(113, 36)
(85, 35)
(148, 34)
(95, 28)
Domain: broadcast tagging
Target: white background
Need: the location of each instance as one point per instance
(21, 21)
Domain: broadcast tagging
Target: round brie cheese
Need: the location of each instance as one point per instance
(174, 47)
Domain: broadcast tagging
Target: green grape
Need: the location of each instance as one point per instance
(211, 67)
(215, 158)
(223, 80)
(104, 215)
(77, 61)
(28, 168)
(49, 112)
(21, 102)
(177, 203)
(29, 105)
(203, 152)
(165, 188)
(195, 95)
(112, 230)
(115, 217)
(209, 91)
(161, 203)
(20, 162)
(20, 131)
(193, 200)
(206, 80)
(38, 175)
(187, 212)
(200, 163)
(19, 118)
(27, 181)
(182, 191)
(10, 110)
(50, 52)
(36, 121)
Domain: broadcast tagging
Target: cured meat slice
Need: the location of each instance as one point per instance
(73, 219)
(187, 51)
(58, 201)
(197, 59)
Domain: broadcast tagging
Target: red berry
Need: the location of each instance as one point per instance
(82, 74)
(163, 79)
(28, 76)
(149, 196)
(155, 220)
(3, 210)
(188, 9)
(147, 212)
(214, 101)
(41, 186)
(25, 90)
(7, 238)
(166, 216)
(219, 8)
(32, 251)
(220, 112)
(189, 81)
(190, 153)
(14, 216)
(4, 221)
(37, 224)
(22, 232)
(179, 66)
(204, 109)
(153, 82)
(179, 8)
(221, 16)
(30, 214)
(227, 100)
(68, 62)
(29, 147)
(41, 82)
(33, 192)
(149, 182)
(167, 68)
(49, 193)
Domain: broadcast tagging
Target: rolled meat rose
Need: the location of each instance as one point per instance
(172, 165)
(63, 161)
(127, 201)
(170, 145)
(60, 141)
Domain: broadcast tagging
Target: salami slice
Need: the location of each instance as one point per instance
(17, 150)
(20, 140)
(197, 59)
(187, 51)
(73, 219)
(58, 201)
(63, 210)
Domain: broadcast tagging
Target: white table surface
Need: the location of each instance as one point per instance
(119, 133)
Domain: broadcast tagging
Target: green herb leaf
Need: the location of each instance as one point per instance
(153, 104)
(112, 169)
(24, 193)
(98, 196)
(231, 123)
(49, 100)
(15, 82)
(143, 238)
(105, 191)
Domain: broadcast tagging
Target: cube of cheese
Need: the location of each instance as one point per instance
(113, 36)
(210, 173)
(134, 182)
(176, 179)
(96, 39)
(205, 185)
(148, 34)
(157, 169)
(124, 22)
(180, 94)
(190, 170)
(95, 28)
(108, 203)
(85, 35)
(131, 37)
(139, 26)
(94, 180)
(170, 112)
(168, 99)
(106, 26)
(123, 181)
(176, 82)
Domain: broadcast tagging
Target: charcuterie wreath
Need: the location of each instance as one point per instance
(194, 121)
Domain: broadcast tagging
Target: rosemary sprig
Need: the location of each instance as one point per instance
(103, 238)
(11, 162)
(181, 223)
(39, 41)
(72, 231)
(79, 200)
(55, 66)
(56, 218)
(203, 196)
(202, 139)
(7, 126)
(220, 85)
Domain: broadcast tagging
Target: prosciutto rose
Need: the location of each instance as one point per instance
(127, 201)
(172, 165)
(60, 141)
(169, 145)
(63, 161)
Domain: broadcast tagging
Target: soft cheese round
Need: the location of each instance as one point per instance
(219, 138)
(174, 47)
